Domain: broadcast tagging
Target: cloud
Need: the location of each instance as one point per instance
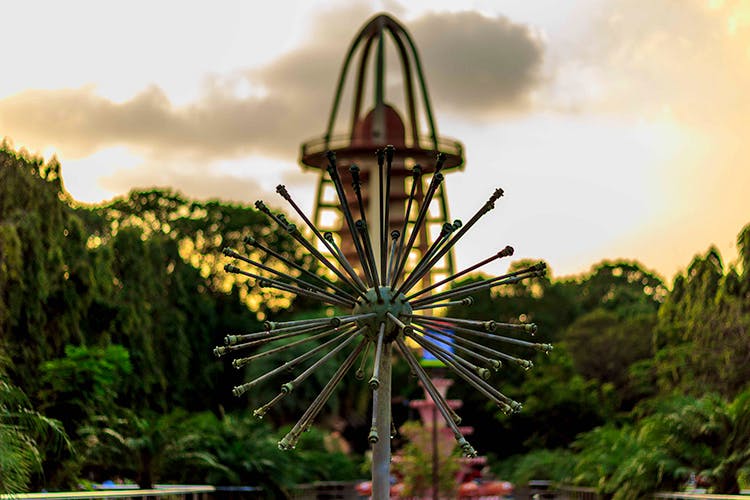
(475, 65)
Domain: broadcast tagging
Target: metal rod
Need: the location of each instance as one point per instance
(356, 185)
(336, 179)
(523, 363)
(489, 326)
(381, 213)
(268, 340)
(318, 404)
(445, 231)
(464, 290)
(466, 301)
(329, 236)
(290, 440)
(389, 265)
(489, 205)
(416, 173)
(232, 253)
(333, 320)
(381, 450)
(237, 363)
(509, 278)
(403, 327)
(505, 252)
(281, 189)
(236, 343)
(422, 267)
(271, 283)
(453, 415)
(264, 281)
(434, 183)
(482, 372)
(240, 389)
(261, 412)
(389, 152)
(292, 229)
(302, 376)
(452, 355)
(545, 348)
(360, 373)
(504, 402)
(365, 235)
(450, 416)
(249, 240)
(436, 397)
(375, 379)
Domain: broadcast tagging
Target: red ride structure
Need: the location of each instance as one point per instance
(376, 123)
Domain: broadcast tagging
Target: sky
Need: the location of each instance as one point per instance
(617, 129)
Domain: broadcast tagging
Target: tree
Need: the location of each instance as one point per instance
(25, 436)
(604, 345)
(702, 330)
(146, 448)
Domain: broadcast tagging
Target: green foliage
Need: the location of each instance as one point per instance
(146, 449)
(85, 383)
(702, 329)
(674, 438)
(416, 461)
(604, 345)
(549, 464)
(118, 305)
(25, 436)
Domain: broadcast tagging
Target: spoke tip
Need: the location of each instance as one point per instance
(506, 252)
(530, 328)
(395, 234)
(229, 252)
(230, 268)
(374, 384)
(373, 436)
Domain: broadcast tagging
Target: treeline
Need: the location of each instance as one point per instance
(108, 315)
(647, 389)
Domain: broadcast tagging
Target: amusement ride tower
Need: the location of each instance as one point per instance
(376, 125)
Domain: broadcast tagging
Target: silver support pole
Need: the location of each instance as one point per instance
(381, 450)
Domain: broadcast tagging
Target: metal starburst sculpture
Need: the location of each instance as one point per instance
(385, 310)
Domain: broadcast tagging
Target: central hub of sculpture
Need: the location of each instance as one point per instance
(377, 304)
